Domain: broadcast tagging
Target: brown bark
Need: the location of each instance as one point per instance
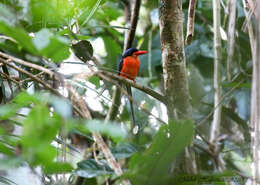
(255, 101)
(231, 37)
(173, 59)
(190, 24)
(174, 71)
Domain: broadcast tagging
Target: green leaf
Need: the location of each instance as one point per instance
(218, 178)
(39, 130)
(124, 151)
(6, 150)
(7, 15)
(8, 110)
(83, 50)
(57, 168)
(61, 106)
(50, 13)
(51, 46)
(95, 80)
(20, 35)
(151, 167)
(196, 87)
(90, 168)
(113, 50)
(92, 8)
(25, 99)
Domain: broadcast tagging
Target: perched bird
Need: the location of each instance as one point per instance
(129, 64)
(128, 68)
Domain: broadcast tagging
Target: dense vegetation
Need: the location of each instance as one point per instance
(44, 87)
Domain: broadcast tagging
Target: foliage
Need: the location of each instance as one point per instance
(168, 143)
(50, 32)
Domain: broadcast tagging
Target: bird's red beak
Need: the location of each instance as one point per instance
(140, 52)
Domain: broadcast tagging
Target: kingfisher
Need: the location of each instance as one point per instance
(128, 68)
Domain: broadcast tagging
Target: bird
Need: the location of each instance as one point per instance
(128, 68)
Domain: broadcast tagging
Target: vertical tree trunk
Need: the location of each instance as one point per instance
(174, 71)
(217, 89)
(255, 102)
(173, 59)
(231, 37)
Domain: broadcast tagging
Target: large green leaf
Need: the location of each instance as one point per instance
(83, 50)
(113, 51)
(215, 178)
(151, 167)
(50, 13)
(7, 15)
(57, 167)
(39, 130)
(20, 35)
(124, 151)
(6, 150)
(51, 46)
(91, 168)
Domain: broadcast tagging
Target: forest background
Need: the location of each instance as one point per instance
(65, 116)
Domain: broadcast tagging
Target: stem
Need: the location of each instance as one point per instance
(174, 71)
(145, 89)
(231, 37)
(190, 24)
(215, 126)
(150, 53)
(134, 20)
(129, 38)
(255, 102)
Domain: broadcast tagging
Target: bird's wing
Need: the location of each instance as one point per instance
(120, 65)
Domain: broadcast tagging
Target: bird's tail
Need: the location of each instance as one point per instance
(129, 91)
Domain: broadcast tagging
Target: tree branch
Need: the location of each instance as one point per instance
(134, 20)
(129, 38)
(145, 89)
(78, 100)
(36, 79)
(217, 88)
(231, 36)
(106, 78)
(28, 64)
(190, 24)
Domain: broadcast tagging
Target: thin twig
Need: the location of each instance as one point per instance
(214, 130)
(220, 102)
(134, 20)
(12, 79)
(78, 101)
(129, 38)
(28, 64)
(145, 89)
(106, 78)
(190, 24)
(47, 86)
(231, 36)
(33, 77)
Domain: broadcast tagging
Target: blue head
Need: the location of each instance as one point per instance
(132, 52)
(129, 52)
